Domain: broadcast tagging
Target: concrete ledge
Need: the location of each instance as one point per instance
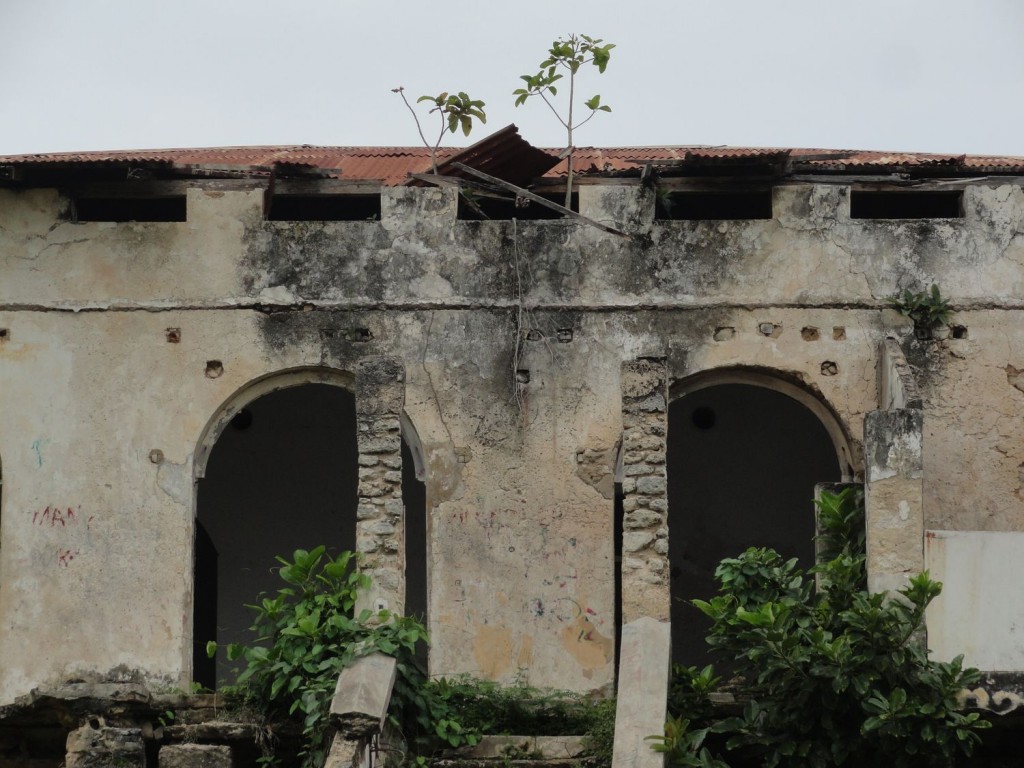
(194, 756)
(534, 747)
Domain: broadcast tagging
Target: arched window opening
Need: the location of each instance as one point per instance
(414, 497)
(282, 475)
(743, 460)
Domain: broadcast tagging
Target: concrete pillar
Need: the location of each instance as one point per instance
(641, 704)
(893, 496)
(408, 210)
(362, 695)
(348, 753)
(645, 568)
(627, 207)
(380, 515)
(95, 745)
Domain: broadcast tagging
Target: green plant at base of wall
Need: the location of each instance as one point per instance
(307, 634)
(836, 676)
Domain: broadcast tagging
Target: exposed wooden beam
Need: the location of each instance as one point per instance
(520, 192)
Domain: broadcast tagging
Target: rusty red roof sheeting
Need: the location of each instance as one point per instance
(503, 154)
(508, 155)
(389, 165)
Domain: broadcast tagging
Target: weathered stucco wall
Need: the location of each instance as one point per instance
(512, 337)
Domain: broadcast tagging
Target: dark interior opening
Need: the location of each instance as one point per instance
(619, 512)
(324, 208)
(505, 208)
(905, 205)
(282, 477)
(713, 205)
(742, 465)
(122, 209)
(414, 497)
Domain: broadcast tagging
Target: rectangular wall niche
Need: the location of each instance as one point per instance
(122, 209)
(712, 205)
(866, 204)
(324, 208)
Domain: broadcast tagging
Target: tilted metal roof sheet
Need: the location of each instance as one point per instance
(504, 154)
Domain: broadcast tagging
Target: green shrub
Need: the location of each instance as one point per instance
(306, 634)
(836, 676)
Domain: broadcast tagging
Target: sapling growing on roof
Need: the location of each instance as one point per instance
(568, 55)
(456, 111)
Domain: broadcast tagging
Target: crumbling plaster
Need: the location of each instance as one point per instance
(520, 548)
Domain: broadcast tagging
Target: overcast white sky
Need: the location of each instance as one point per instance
(914, 75)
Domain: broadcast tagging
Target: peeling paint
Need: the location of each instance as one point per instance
(493, 651)
(586, 645)
(176, 480)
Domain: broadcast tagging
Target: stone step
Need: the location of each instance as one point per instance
(516, 750)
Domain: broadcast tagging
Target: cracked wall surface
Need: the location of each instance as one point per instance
(510, 377)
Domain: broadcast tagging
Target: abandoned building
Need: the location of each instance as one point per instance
(542, 429)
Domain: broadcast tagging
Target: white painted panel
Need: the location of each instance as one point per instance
(980, 612)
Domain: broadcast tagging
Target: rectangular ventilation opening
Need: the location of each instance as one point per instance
(504, 209)
(324, 208)
(906, 205)
(122, 209)
(715, 206)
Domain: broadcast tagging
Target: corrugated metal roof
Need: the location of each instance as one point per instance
(510, 156)
(390, 165)
(504, 154)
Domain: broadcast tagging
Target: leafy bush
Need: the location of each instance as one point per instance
(928, 309)
(307, 634)
(489, 707)
(599, 736)
(835, 677)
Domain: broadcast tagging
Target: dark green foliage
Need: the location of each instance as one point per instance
(835, 677)
(690, 690)
(690, 717)
(600, 734)
(306, 634)
(488, 707)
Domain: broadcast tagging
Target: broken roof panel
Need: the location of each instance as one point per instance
(505, 155)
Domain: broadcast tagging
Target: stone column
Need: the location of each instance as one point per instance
(893, 496)
(642, 695)
(380, 516)
(893, 474)
(645, 568)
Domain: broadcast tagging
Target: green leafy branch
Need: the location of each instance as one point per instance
(567, 56)
(456, 111)
(928, 309)
(306, 634)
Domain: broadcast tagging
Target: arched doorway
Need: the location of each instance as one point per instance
(279, 473)
(745, 450)
(414, 498)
